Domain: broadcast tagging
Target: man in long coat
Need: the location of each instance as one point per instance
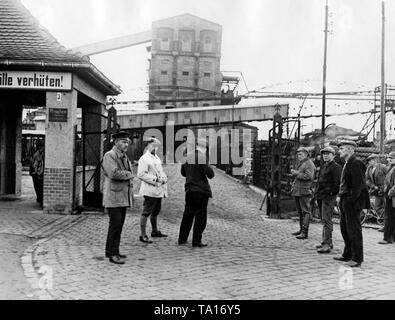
(117, 193)
(302, 190)
(353, 197)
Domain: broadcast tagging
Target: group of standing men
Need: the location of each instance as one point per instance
(118, 193)
(349, 188)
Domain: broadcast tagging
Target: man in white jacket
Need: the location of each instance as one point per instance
(153, 188)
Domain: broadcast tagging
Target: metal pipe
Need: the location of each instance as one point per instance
(383, 87)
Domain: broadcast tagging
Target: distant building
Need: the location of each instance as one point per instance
(185, 62)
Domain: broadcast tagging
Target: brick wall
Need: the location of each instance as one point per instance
(58, 190)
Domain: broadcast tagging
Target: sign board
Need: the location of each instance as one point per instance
(59, 81)
(57, 115)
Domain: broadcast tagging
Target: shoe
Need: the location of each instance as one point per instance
(302, 236)
(297, 233)
(180, 243)
(122, 256)
(158, 234)
(116, 260)
(320, 246)
(384, 242)
(341, 258)
(353, 264)
(381, 229)
(199, 245)
(324, 249)
(145, 239)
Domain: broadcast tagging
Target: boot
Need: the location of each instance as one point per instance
(325, 249)
(300, 226)
(303, 235)
(305, 227)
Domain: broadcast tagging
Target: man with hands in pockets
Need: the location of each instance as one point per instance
(117, 192)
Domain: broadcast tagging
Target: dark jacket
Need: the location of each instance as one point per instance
(303, 179)
(353, 186)
(389, 182)
(375, 176)
(329, 180)
(196, 178)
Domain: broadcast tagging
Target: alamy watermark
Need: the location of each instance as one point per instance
(235, 146)
(46, 280)
(345, 278)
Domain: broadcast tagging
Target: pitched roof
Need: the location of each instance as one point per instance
(25, 43)
(23, 38)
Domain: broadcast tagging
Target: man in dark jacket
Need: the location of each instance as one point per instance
(197, 193)
(353, 197)
(37, 171)
(302, 190)
(328, 188)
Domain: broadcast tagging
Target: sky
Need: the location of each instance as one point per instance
(278, 45)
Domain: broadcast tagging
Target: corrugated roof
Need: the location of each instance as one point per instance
(23, 38)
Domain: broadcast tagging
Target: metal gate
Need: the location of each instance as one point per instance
(272, 163)
(91, 143)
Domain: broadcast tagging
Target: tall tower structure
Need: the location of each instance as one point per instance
(185, 63)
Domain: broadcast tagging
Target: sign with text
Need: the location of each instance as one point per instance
(60, 81)
(57, 115)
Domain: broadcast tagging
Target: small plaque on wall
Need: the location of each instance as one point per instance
(57, 115)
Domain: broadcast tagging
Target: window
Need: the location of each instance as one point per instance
(184, 104)
(206, 105)
(164, 44)
(208, 46)
(162, 103)
(185, 73)
(186, 45)
(207, 74)
(163, 73)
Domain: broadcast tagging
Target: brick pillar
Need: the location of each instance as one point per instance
(10, 146)
(59, 152)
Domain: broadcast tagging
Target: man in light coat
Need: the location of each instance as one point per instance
(301, 190)
(153, 188)
(117, 193)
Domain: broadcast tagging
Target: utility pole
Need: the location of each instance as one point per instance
(383, 87)
(324, 72)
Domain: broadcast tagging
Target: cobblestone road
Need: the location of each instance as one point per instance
(248, 257)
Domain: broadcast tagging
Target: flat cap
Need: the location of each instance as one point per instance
(328, 149)
(372, 156)
(391, 155)
(347, 143)
(302, 149)
(120, 135)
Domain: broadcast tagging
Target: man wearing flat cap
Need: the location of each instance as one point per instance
(389, 192)
(328, 188)
(153, 188)
(302, 190)
(375, 175)
(196, 170)
(117, 192)
(353, 197)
